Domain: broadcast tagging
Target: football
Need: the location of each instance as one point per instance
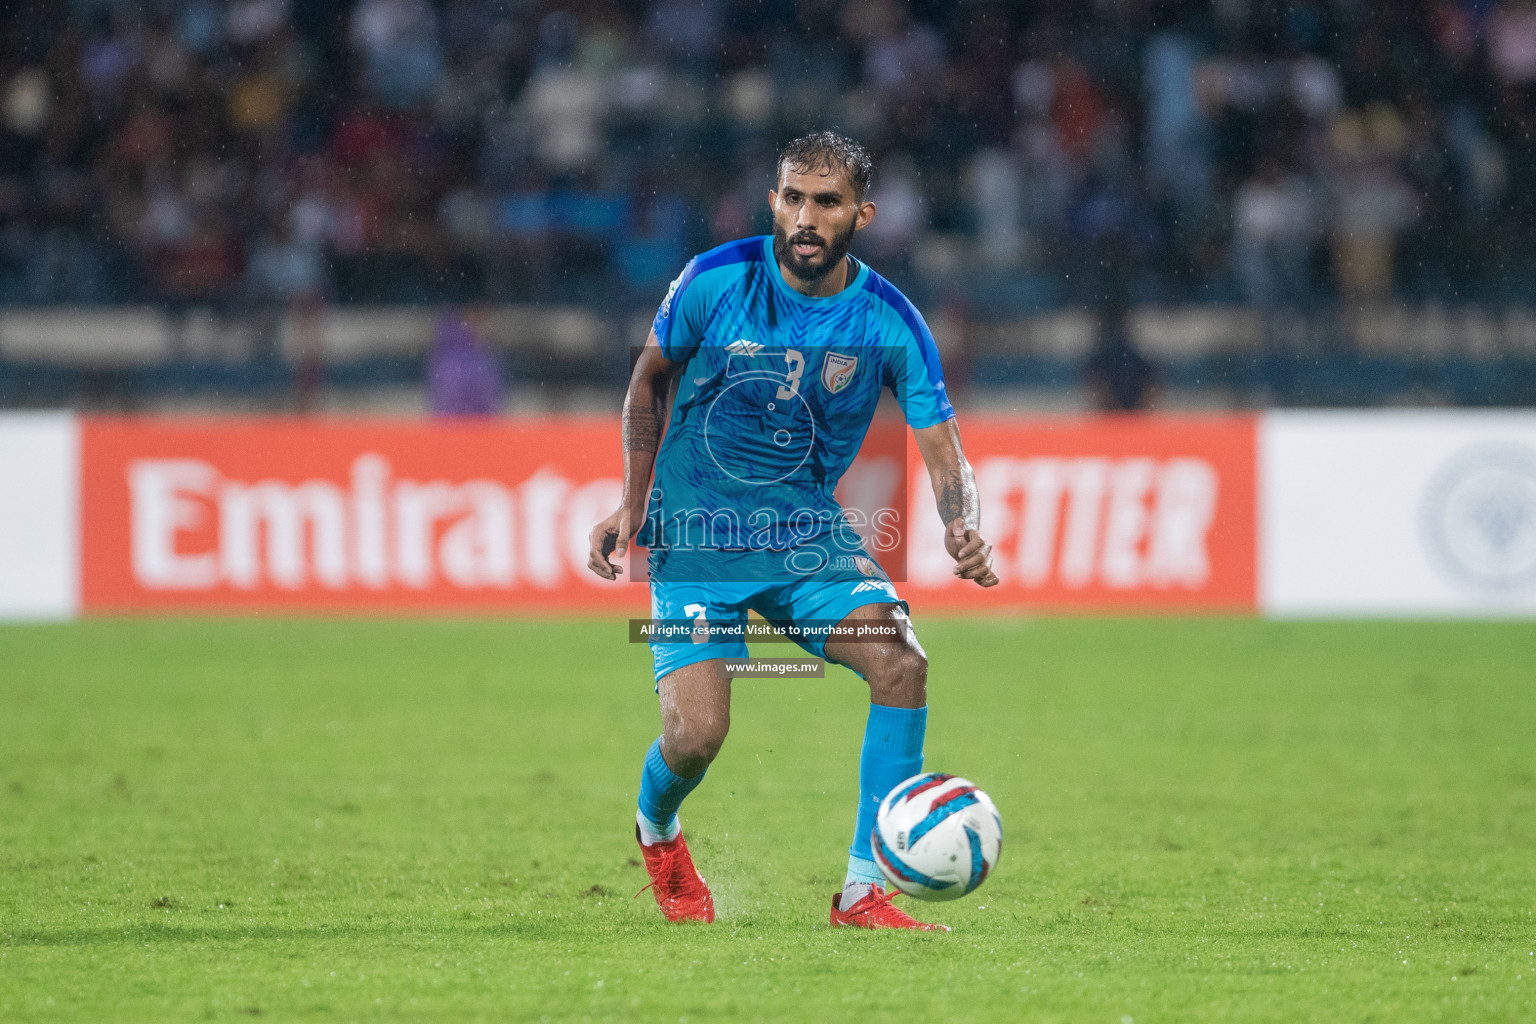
(937, 836)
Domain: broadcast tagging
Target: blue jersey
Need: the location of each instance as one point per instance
(776, 393)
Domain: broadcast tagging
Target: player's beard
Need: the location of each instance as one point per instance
(806, 269)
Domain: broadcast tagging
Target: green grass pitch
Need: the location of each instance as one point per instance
(431, 820)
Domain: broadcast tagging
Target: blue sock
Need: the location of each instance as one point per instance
(893, 751)
(661, 793)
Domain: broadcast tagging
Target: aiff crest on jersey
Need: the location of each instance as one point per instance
(837, 371)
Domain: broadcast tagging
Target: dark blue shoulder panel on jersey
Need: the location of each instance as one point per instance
(745, 250)
(891, 296)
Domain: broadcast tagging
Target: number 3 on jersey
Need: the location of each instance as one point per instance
(796, 362)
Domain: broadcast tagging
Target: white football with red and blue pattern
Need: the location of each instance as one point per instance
(937, 836)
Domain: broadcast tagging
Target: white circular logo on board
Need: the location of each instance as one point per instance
(1479, 518)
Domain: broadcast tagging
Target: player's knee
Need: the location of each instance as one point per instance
(690, 746)
(901, 680)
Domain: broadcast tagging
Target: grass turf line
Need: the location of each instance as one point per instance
(1204, 820)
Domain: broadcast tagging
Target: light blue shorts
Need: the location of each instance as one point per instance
(733, 583)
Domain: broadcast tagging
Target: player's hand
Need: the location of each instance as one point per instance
(611, 538)
(972, 554)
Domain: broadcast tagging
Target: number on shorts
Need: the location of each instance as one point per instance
(700, 623)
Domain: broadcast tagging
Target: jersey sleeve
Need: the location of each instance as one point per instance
(679, 324)
(705, 283)
(912, 369)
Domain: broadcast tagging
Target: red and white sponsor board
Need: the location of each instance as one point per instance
(356, 515)
(1113, 513)
(39, 516)
(1398, 513)
(398, 516)
(1287, 513)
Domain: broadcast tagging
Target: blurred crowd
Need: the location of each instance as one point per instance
(1283, 154)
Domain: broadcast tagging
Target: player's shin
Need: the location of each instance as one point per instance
(893, 751)
(661, 793)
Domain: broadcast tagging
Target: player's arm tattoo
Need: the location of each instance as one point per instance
(642, 427)
(958, 499)
(646, 400)
(954, 482)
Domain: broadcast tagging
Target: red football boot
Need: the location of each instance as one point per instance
(679, 888)
(877, 911)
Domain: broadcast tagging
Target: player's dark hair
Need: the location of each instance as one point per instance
(828, 151)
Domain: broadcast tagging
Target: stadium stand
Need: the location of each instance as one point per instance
(1313, 202)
